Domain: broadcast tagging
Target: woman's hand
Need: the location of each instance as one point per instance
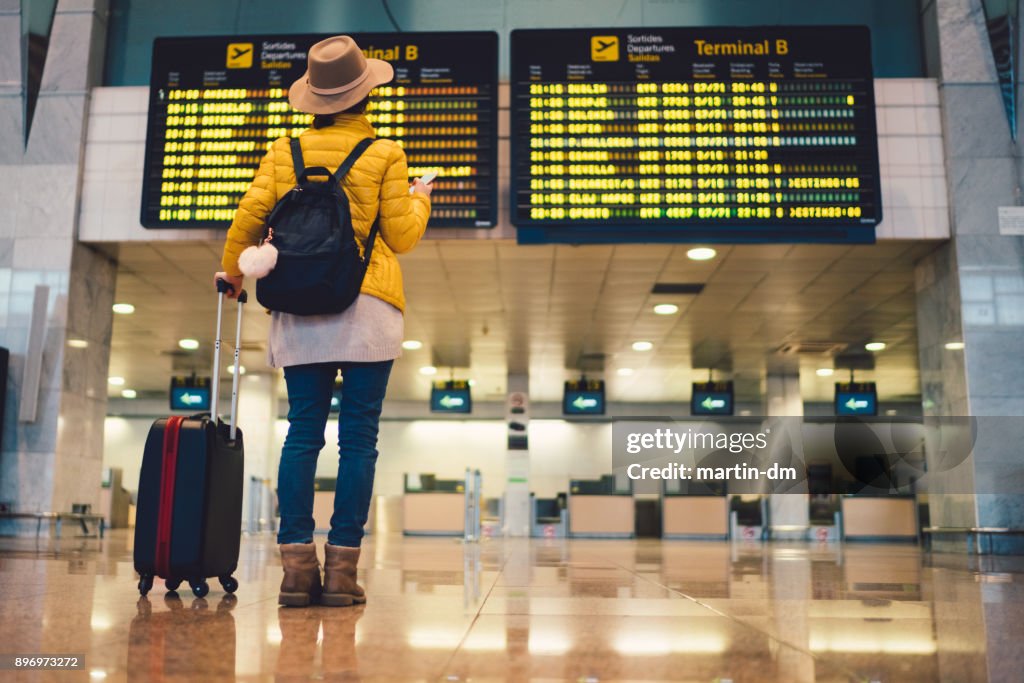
(235, 282)
(419, 186)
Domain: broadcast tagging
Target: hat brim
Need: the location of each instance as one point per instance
(303, 99)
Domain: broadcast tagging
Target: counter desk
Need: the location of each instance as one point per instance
(433, 507)
(600, 509)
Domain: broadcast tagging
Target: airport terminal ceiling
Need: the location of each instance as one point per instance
(488, 307)
(895, 24)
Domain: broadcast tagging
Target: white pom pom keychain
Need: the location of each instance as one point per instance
(257, 262)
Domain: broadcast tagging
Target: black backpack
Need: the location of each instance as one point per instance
(319, 270)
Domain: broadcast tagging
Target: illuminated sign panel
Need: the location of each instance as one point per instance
(856, 398)
(216, 103)
(694, 134)
(190, 393)
(452, 396)
(583, 397)
(712, 398)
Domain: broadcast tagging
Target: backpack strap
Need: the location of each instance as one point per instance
(340, 174)
(370, 239)
(297, 161)
(352, 158)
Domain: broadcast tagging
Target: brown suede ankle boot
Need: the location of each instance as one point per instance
(301, 584)
(340, 587)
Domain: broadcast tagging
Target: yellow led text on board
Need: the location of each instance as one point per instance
(393, 54)
(741, 47)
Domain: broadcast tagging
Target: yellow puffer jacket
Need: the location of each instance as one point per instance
(378, 182)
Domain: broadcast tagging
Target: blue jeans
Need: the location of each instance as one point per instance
(309, 404)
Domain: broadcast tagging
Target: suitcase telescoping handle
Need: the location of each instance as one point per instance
(222, 288)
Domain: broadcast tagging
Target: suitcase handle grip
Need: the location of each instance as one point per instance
(223, 287)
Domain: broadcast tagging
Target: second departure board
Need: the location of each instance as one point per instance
(723, 134)
(217, 103)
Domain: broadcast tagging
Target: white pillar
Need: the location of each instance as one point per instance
(784, 400)
(517, 459)
(257, 413)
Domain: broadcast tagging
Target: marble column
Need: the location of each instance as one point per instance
(517, 466)
(972, 290)
(53, 460)
(783, 399)
(257, 411)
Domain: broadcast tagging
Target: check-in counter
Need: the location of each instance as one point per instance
(884, 518)
(433, 507)
(690, 516)
(693, 514)
(600, 509)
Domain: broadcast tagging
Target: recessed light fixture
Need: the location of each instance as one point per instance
(116, 381)
(123, 309)
(701, 254)
(954, 346)
(188, 344)
(666, 309)
(129, 393)
(875, 346)
(642, 346)
(625, 372)
(428, 370)
(824, 372)
(412, 344)
(78, 343)
(241, 369)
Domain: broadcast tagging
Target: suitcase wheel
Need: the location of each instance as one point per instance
(229, 583)
(200, 588)
(145, 583)
(172, 584)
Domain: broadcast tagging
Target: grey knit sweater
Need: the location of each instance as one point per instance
(368, 330)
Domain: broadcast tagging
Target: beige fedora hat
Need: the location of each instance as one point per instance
(337, 77)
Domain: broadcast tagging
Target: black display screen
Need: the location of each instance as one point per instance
(856, 398)
(216, 103)
(712, 398)
(583, 397)
(451, 396)
(190, 393)
(719, 134)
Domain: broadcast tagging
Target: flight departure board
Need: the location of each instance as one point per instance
(217, 103)
(716, 134)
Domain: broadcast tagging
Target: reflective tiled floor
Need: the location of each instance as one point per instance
(543, 610)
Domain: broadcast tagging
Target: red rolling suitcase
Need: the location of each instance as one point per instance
(188, 523)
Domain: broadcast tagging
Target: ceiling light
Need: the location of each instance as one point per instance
(129, 393)
(188, 344)
(701, 254)
(78, 343)
(666, 309)
(241, 369)
(625, 372)
(954, 346)
(116, 381)
(412, 344)
(642, 346)
(428, 370)
(123, 309)
(824, 372)
(874, 346)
